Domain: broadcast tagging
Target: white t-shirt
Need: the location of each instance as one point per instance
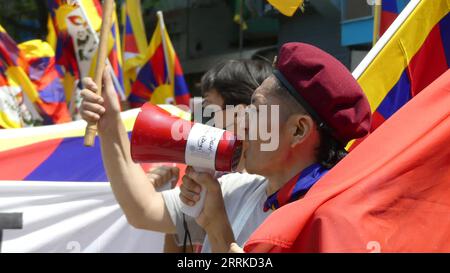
(244, 196)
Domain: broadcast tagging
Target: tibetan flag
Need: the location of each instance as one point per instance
(390, 194)
(390, 9)
(42, 72)
(15, 66)
(64, 48)
(59, 192)
(411, 55)
(160, 79)
(115, 56)
(9, 102)
(76, 26)
(53, 153)
(115, 53)
(286, 7)
(134, 41)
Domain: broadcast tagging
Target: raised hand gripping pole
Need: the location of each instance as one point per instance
(107, 7)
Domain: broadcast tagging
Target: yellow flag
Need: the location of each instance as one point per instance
(287, 7)
(51, 35)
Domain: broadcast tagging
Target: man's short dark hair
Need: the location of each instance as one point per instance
(330, 151)
(236, 80)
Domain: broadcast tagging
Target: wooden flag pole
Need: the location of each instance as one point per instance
(107, 7)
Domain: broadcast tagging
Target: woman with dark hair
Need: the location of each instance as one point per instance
(229, 83)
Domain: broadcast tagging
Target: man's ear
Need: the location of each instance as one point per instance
(302, 125)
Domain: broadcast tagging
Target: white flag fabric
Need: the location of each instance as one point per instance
(68, 217)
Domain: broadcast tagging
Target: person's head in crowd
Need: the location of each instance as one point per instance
(232, 83)
(322, 108)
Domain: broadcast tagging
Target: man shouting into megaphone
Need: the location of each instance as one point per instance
(321, 108)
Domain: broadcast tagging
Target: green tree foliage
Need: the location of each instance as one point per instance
(24, 19)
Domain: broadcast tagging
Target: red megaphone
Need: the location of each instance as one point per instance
(158, 136)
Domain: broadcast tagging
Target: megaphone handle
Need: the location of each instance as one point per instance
(194, 211)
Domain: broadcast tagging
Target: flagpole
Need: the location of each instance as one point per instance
(376, 22)
(102, 56)
(241, 28)
(164, 42)
(31, 107)
(123, 14)
(97, 41)
(359, 70)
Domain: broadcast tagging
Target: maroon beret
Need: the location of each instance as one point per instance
(326, 89)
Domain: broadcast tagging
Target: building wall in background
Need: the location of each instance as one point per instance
(318, 27)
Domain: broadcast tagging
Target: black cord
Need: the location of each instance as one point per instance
(187, 236)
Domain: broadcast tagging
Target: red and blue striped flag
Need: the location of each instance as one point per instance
(134, 41)
(115, 55)
(412, 54)
(390, 9)
(160, 79)
(53, 153)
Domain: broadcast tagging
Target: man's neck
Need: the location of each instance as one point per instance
(278, 179)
